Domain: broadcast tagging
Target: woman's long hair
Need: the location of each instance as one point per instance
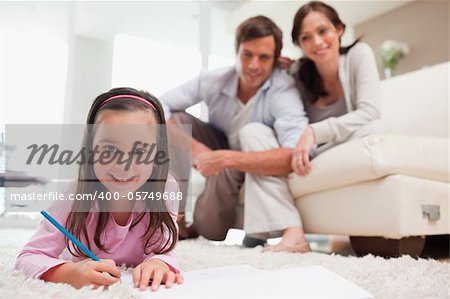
(160, 219)
(307, 72)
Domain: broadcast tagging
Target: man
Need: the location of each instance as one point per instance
(252, 91)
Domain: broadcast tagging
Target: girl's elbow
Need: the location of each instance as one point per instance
(17, 264)
(19, 261)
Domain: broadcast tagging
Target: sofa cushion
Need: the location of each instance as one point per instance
(374, 157)
(417, 103)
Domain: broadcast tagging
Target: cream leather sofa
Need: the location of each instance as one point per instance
(387, 191)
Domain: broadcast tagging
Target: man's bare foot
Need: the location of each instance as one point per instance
(293, 240)
(280, 247)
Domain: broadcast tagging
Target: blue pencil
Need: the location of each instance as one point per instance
(70, 236)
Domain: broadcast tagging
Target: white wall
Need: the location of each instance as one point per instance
(283, 12)
(89, 74)
(88, 29)
(221, 35)
(33, 59)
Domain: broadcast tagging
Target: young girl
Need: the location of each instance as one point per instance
(144, 238)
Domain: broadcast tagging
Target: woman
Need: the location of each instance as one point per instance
(340, 86)
(340, 89)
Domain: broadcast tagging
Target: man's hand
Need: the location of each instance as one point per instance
(285, 62)
(300, 158)
(212, 162)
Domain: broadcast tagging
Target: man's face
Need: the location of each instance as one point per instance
(257, 60)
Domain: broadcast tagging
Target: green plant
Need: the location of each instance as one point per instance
(392, 52)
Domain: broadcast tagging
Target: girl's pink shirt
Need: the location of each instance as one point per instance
(47, 247)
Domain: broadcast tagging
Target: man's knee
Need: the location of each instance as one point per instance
(257, 136)
(251, 130)
(181, 117)
(215, 208)
(210, 228)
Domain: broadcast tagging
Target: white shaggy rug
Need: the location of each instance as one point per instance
(402, 277)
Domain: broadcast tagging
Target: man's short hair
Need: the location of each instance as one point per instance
(257, 27)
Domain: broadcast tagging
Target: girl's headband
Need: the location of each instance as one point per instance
(142, 100)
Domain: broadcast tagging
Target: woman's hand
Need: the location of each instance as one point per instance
(84, 273)
(300, 157)
(157, 271)
(197, 149)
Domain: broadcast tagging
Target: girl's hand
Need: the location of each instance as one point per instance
(83, 273)
(157, 271)
(300, 158)
(89, 272)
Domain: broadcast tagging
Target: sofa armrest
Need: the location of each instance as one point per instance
(374, 157)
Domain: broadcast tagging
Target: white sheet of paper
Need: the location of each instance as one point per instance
(249, 282)
(204, 274)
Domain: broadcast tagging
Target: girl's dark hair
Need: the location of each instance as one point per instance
(160, 219)
(307, 72)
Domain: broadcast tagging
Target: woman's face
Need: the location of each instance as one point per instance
(131, 133)
(319, 38)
